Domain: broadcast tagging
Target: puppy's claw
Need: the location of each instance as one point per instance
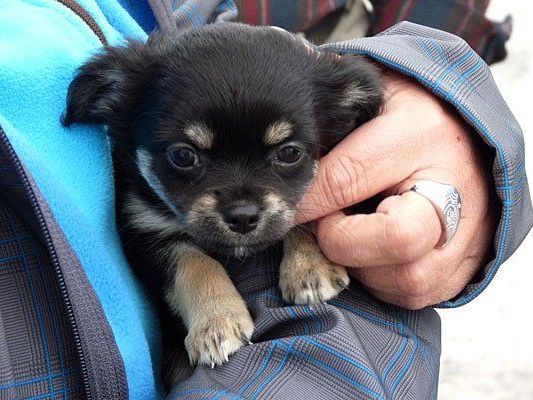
(327, 279)
(212, 340)
(246, 339)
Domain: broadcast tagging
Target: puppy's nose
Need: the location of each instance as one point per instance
(242, 217)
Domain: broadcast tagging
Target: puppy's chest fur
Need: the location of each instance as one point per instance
(216, 136)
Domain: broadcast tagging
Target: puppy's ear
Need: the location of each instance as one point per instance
(348, 93)
(108, 87)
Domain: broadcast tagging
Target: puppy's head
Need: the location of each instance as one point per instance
(225, 123)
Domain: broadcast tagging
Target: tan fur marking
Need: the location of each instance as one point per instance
(278, 132)
(276, 205)
(200, 135)
(213, 311)
(204, 206)
(306, 275)
(144, 217)
(353, 94)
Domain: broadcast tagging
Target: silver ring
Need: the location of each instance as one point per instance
(447, 203)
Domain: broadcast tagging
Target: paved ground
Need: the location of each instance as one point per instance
(488, 344)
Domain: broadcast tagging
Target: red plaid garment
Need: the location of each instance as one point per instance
(465, 18)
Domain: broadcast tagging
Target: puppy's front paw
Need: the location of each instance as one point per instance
(214, 338)
(309, 277)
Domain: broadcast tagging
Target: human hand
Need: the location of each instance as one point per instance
(393, 251)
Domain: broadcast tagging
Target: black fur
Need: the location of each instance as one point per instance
(236, 80)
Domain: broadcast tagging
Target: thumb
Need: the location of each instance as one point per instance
(368, 161)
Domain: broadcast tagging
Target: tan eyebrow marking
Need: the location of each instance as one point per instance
(278, 132)
(200, 135)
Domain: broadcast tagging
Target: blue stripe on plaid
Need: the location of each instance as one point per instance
(458, 63)
(392, 362)
(264, 364)
(37, 380)
(452, 68)
(464, 75)
(65, 393)
(37, 306)
(506, 210)
(401, 352)
(359, 312)
(185, 394)
(517, 186)
(406, 367)
(311, 313)
(11, 258)
(292, 312)
(349, 360)
(11, 240)
(315, 343)
(330, 350)
(367, 316)
(273, 374)
(467, 74)
(334, 371)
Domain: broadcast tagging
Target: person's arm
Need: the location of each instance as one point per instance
(403, 267)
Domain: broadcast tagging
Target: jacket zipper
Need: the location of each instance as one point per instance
(88, 19)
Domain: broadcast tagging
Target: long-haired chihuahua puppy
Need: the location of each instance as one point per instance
(217, 133)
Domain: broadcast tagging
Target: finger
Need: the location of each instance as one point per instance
(403, 229)
(441, 270)
(365, 163)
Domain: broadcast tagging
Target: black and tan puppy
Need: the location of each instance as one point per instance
(216, 134)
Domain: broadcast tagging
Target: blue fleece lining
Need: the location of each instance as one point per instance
(42, 42)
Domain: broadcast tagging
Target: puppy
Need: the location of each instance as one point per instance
(216, 135)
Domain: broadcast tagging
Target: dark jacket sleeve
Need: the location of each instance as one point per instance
(448, 67)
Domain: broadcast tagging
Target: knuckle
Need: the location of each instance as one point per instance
(412, 281)
(436, 114)
(343, 180)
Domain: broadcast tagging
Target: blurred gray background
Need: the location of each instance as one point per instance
(488, 344)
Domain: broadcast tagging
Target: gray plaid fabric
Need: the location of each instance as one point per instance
(37, 352)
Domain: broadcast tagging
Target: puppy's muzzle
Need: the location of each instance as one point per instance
(242, 216)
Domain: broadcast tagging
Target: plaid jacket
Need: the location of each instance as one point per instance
(55, 341)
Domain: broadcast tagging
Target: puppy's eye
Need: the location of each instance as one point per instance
(183, 156)
(289, 155)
